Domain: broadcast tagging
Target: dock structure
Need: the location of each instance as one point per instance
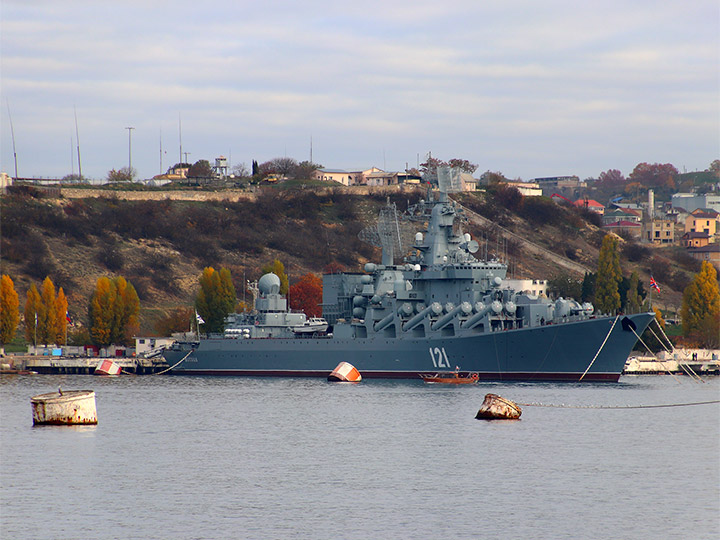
(79, 365)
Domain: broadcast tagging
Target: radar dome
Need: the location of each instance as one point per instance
(269, 284)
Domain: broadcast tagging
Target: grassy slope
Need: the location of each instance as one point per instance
(161, 247)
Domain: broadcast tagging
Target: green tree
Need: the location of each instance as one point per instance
(9, 310)
(32, 306)
(215, 299)
(101, 312)
(126, 309)
(609, 276)
(564, 285)
(700, 311)
(633, 303)
(587, 293)
(277, 268)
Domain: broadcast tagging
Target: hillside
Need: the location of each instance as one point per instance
(161, 246)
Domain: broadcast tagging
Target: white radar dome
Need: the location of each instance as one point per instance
(269, 284)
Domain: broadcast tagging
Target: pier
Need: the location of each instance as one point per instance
(78, 365)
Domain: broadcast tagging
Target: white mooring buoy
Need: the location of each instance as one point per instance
(68, 407)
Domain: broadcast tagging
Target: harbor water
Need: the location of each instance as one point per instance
(205, 457)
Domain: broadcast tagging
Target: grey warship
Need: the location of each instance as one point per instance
(441, 309)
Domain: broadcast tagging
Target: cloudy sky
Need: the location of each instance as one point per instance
(521, 87)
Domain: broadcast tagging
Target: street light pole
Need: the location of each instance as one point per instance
(130, 150)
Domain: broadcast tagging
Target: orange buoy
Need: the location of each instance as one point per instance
(108, 368)
(497, 408)
(345, 372)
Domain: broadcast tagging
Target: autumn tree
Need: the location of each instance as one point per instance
(126, 174)
(215, 299)
(700, 311)
(654, 175)
(611, 178)
(428, 170)
(61, 314)
(113, 311)
(306, 295)
(9, 310)
(609, 276)
(46, 314)
(32, 306)
(200, 169)
(278, 268)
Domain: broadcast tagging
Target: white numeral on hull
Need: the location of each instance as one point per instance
(439, 357)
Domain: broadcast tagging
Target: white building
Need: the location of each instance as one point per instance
(534, 287)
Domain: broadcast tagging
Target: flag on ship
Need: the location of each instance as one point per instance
(199, 318)
(654, 284)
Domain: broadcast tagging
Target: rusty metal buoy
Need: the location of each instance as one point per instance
(495, 407)
(67, 407)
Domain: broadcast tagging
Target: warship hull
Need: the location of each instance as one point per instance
(589, 350)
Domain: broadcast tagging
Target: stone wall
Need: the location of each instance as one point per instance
(233, 195)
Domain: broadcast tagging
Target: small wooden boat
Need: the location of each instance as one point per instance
(450, 377)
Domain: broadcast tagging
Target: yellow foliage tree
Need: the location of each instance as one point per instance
(46, 315)
(61, 307)
(700, 309)
(278, 268)
(9, 310)
(215, 299)
(113, 311)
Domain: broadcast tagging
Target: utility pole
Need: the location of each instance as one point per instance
(77, 139)
(12, 133)
(130, 150)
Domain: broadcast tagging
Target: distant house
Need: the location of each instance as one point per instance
(659, 231)
(695, 239)
(591, 205)
(703, 220)
(621, 214)
(346, 178)
(382, 178)
(633, 228)
(710, 252)
(693, 201)
(676, 214)
(528, 189)
(534, 287)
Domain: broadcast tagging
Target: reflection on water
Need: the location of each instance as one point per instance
(205, 457)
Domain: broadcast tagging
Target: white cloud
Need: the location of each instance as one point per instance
(521, 86)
